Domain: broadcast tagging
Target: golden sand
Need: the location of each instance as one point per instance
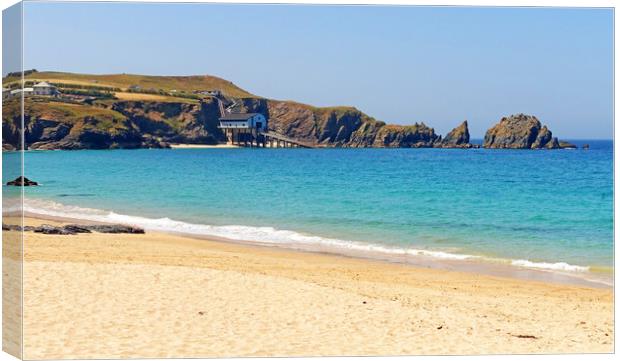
(160, 295)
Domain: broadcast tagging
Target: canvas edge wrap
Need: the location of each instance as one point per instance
(12, 167)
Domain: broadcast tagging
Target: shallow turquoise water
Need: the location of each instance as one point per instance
(540, 206)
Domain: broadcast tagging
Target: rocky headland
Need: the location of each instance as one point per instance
(136, 111)
(152, 124)
(119, 111)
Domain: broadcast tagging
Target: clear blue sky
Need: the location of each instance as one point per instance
(399, 64)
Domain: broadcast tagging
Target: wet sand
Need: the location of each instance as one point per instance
(161, 295)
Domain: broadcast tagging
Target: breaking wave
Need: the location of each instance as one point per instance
(264, 235)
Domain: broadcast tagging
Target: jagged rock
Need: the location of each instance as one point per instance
(153, 142)
(586, 146)
(412, 136)
(553, 144)
(113, 228)
(16, 227)
(22, 181)
(11, 227)
(47, 229)
(543, 138)
(566, 145)
(520, 131)
(45, 130)
(55, 133)
(457, 138)
(76, 228)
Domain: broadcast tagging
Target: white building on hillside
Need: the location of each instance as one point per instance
(44, 88)
(18, 92)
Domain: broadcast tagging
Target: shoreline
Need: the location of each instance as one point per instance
(472, 264)
(249, 300)
(202, 146)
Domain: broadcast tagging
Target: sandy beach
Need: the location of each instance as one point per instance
(162, 295)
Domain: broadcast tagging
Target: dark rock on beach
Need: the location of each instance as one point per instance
(74, 229)
(110, 228)
(16, 227)
(521, 131)
(11, 227)
(22, 181)
(47, 229)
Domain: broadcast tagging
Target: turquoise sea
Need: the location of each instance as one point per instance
(542, 210)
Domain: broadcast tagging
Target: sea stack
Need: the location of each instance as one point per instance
(521, 131)
(457, 138)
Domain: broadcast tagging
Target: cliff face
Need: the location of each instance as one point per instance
(520, 131)
(174, 122)
(121, 124)
(141, 124)
(343, 127)
(65, 126)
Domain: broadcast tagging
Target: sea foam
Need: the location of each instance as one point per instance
(262, 235)
(559, 266)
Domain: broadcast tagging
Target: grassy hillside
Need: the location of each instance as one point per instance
(186, 84)
(152, 98)
(68, 113)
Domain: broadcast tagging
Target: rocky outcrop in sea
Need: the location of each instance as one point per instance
(457, 138)
(522, 131)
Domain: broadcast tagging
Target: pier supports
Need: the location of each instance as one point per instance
(248, 137)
